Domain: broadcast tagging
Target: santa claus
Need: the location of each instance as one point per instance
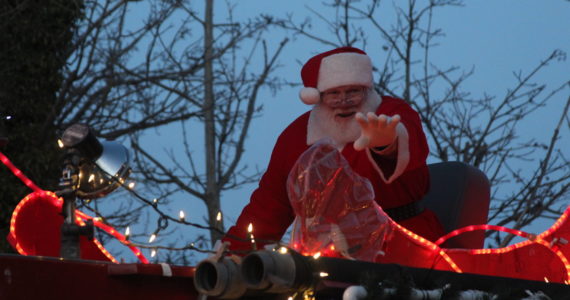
(381, 138)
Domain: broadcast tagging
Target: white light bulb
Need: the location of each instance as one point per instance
(152, 238)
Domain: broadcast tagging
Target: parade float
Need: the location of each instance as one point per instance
(352, 248)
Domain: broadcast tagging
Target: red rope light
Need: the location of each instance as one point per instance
(531, 238)
(429, 245)
(116, 234)
(41, 195)
(18, 173)
(459, 231)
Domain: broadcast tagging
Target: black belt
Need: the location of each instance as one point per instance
(405, 211)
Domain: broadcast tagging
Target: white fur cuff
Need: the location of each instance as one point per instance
(403, 155)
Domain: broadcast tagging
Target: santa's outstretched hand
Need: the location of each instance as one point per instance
(376, 131)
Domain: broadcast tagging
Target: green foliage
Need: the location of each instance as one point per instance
(35, 38)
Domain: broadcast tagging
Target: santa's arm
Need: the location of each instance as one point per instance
(394, 141)
(268, 211)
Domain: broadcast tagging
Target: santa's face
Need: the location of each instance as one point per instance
(334, 116)
(344, 102)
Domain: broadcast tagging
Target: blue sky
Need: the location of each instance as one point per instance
(493, 37)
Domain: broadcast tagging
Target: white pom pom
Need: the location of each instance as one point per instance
(310, 95)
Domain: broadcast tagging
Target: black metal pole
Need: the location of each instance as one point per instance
(70, 231)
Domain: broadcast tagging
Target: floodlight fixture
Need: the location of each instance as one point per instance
(103, 166)
(91, 169)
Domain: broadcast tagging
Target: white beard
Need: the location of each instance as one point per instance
(322, 123)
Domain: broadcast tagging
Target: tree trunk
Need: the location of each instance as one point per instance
(212, 192)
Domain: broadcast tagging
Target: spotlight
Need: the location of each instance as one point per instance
(91, 169)
(103, 165)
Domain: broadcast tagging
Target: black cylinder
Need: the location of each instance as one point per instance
(221, 279)
(275, 272)
(81, 137)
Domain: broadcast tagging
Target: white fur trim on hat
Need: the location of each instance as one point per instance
(346, 68)
(310, 95)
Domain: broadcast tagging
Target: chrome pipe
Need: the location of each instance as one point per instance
(276, 272)
(221, 279)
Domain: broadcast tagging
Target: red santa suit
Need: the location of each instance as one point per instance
(397, 181)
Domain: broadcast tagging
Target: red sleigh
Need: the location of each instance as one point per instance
(459, 194)
(540, 257)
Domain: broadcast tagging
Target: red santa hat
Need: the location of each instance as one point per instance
(338, 67)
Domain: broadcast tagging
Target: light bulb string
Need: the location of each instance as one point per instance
(39, 193)
(188, 247)
(163, 216)
(168, 217)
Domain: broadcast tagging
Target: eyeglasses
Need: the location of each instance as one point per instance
(335, 96)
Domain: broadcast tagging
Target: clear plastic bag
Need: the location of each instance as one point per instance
(336, 214)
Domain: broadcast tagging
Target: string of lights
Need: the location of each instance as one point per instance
(162, 222)
(555, 244)
(41, 195)
(164, 218)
